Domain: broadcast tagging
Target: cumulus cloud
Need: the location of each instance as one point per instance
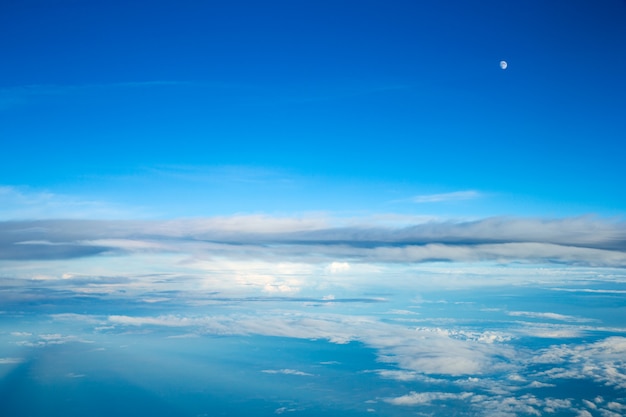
(602, 361)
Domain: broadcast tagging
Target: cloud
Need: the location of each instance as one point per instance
(10, 361)
(577, 241)
(602, 361)
(488, 405)
(48, 339)
(286, 372)
(419, 398)
(423, 350)
(549, 316)
(20, 203)
(338, 267)
(446, 197)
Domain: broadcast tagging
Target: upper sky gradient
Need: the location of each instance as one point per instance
(165, 109)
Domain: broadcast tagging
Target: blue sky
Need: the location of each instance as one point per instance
(313, 208)
(314, 102)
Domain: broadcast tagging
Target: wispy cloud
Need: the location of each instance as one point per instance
(549, 316)
(416, 398)
(19, 203)
(424, 350)
(286, 372)
(446, 197)
(10, 361)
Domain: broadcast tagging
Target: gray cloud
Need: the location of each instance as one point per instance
(580, 240)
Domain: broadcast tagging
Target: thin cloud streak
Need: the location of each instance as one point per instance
(445, 197)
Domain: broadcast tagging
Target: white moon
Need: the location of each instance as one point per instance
(503, 65)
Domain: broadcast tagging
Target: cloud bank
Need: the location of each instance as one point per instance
(577, 241)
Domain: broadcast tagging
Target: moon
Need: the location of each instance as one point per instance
(503, 65)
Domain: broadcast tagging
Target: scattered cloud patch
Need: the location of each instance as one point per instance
(420, 398)
(602, 361)
(10, 361)
(549, 316)
(286, 372)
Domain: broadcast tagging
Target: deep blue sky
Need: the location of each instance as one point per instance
(359, 98)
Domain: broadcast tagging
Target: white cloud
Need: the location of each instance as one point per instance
(428, 351)
(10, 361)
(286, 372)
(601, 361)
(609, 413)
(589, 404)
(21, 334)
(549, 316)
(338, 267)
(420, 398)
(52, 339)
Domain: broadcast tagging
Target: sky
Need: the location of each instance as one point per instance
(313, 208)
(315, 106)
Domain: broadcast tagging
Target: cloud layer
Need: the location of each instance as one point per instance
(579, 241)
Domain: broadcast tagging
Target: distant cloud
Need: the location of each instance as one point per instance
(304, 240)
(420, 398)
(338, 267)
(600, 361)
(286, 372)
(441, 198)
(424, 350)
(10, 361)
(549, 316)
(48, 339)
(20, 203)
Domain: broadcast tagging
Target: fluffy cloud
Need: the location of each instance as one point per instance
(602, 361)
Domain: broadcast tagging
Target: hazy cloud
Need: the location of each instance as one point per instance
(549, 316)
(439, 198)
(10, 361)
(579, 241)
(286, 372)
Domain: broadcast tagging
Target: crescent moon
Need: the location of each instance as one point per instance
(503, 65)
